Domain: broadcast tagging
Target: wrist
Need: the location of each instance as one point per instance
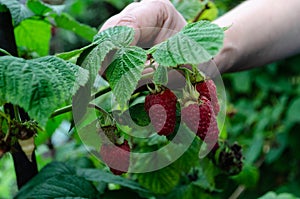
(227, 58)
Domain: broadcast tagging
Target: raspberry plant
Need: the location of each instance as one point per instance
(34, 87)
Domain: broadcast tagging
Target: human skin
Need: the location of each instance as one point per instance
(151, 19)
(261, 31)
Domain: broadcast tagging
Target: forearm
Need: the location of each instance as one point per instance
(261, 31)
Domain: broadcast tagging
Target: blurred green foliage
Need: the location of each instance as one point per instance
(266, 123)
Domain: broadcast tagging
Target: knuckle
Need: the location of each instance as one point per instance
(127, 19)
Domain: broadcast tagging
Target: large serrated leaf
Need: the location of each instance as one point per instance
(57, 180)
(206, 175)
(189, 191)
(18, 11)
(110, 39)
(161, 181)
(40, 8)
(125, 71)
(34, 36)
(120, 36)
(39, 85)
(196, 43)
(183, 191)
(190, 158)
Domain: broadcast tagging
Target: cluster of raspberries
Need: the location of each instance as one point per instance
(199, 115)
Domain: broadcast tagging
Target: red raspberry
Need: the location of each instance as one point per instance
(201, 120)
(116, 156)
(161, 108)
(208, 89)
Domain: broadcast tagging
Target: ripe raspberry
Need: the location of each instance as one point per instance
(116, 157)
(201, 120)
(161, 108)
(208, 89)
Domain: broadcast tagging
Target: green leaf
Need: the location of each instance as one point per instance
(34, 36)
(112, 38)
(206, 175)
(273, 195)
(92, 58)
(51, 126)
(161, 181)
(293, 111)
(188, 9)
(183, 191)
(244, 77)
(69, 55)
(126, 69)
(122, 193)
(161, 75)
(17, 10)
(190, 158)
(119, 36)
(67, 22)
(39, 85)
(139, 115)
(211, 13)
(275, 152)
(188, 192)
(57, 181)
(196, 43)
(97, 175)
(255, 148)
(248, 177)
(40, 8)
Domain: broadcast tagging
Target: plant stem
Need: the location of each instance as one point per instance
(101, 92)
(201, 12)
(236, 194)
(68, 108)
(94, 96)
(17, 114)
(98, 108)
(61, 111)
(147, 76)
(5, 116)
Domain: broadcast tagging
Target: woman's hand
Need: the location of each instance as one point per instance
(153, 20)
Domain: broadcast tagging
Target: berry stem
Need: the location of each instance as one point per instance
(147, 75)
(5, 116)
(68, 108)
(17, 113)
(7, 135)
(98, 108)
(101, 92)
